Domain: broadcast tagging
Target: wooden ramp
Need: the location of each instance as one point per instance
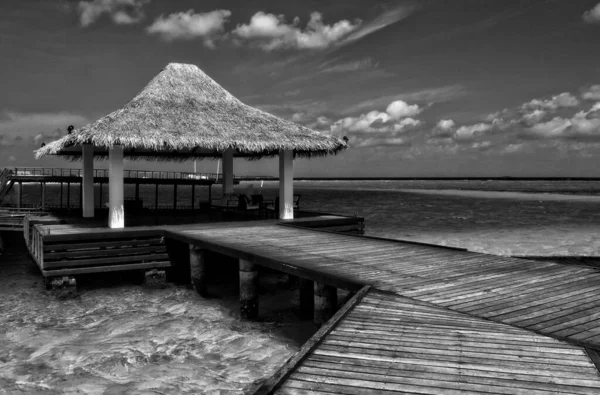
(387, 344)
(548, 298)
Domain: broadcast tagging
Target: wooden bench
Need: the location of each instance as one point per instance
(61, 250)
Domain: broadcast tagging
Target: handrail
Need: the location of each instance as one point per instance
(59, 172)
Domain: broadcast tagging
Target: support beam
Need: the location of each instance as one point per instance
(286, 184)
(325, 303)
(43, 194)
(248, 290)
(193, 194)
(198, 269)
(88, 181)
(307, 299)
(20, 195)
(116, 211)
(156, 197)
(228, 171)
(174, 196)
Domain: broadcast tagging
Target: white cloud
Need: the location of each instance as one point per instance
(445, 124)
(380, 128)
(356, 65)
(564, 99)
(593, 15)
(271, 32)
(470, 132)
(534, 117)
(122, 12)
(592, 92)
(188, 25)
(580, 126)
(400, 109)
(383, 20)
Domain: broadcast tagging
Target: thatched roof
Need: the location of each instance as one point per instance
(184, 114)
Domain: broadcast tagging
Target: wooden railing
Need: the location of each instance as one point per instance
(57, 172)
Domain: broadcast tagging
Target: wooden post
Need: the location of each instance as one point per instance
(68, 195)
(286, 184)
(175, 195)
(198, 269)
(43, 187)
(307, 299)
(248, 290)
(61, 195)
(116, 212)
(325, 303)
(156, 197)
(193, 194)
(88, 181)
(20, 195)
(228, 171)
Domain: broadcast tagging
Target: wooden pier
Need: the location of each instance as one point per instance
(423, 319)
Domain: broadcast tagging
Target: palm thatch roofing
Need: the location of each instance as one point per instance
(184, 114)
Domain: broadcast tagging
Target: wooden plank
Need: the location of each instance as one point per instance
(104, 261)
(102, 269)
(70, 255)
(104, 244)
(275, 381)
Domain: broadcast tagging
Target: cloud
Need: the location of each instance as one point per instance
(592, 92)
(383, 20)
(35, 128)
(534, 117)
(271, 32)
(355, 65)
(431, 95)
(445, 124)
(122, 12)
(583, 126)
(471, 132)
(593, 15)
(400, 109)
(379, 128)
(188, 25)
(562, 100)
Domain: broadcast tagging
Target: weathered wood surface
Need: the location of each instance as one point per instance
(388, 344)
(558, 300)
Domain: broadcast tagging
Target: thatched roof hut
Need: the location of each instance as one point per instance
(184, 114)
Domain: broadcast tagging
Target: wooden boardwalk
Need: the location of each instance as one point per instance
(388, 344)
(548, 298)
(437, 321)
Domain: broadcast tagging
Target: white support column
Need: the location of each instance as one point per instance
(88, 181)
(286, 184)
(116, 212)
(228, 171)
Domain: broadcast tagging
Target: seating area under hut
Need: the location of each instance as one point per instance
(182, 114)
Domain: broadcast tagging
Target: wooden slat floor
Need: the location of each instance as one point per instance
(562, 301)
(389, 344)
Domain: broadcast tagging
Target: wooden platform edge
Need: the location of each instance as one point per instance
(283, 373)
(594, 355)
(325, 230)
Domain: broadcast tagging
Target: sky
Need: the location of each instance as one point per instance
(430, 88)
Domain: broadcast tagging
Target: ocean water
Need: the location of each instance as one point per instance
(118, 337)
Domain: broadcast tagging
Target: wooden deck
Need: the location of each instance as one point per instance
(545, 297)
(389, 344)
(437, 321)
